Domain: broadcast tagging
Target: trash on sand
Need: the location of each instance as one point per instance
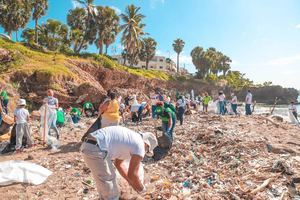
(262, 186)
(85, 191)
(282, 166)
(186, 184)
(15, 171)
(53, 142)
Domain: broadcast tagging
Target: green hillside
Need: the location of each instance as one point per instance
(26, 60)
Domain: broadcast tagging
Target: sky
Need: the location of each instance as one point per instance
(262, 37)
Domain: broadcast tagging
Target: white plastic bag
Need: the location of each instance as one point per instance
(48, 115)
(213, 107)
(135, 106)
(15, 171)
(292, 118)
(229, 109)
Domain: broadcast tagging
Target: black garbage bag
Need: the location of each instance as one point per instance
(4, 127)
(164, 141)
(160, 153)
(7, 149)
(95, 126)
(134, 117)
(10, 147)
(164, 146)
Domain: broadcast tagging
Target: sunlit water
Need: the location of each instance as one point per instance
(280, 110)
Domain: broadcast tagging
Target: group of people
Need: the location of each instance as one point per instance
(22, 119)
(55, 118)
(112, 144)
(230, 106)
(107, 148)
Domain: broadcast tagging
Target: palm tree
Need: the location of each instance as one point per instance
(199, 60)
(212, 58)
(147, 51)
(112, 28)
(29, 35)
(39, 10)
(76, 38)
(133, 30)
(107, 27)
(109, 38)
(76, 20)
(225, 64)
(14, 15)
(54, 35)
(86, 21)
(178, 47)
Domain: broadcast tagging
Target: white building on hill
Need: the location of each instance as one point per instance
(157, 63)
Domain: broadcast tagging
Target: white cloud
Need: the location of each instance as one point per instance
(76, 4)
(284, 61)
(281, 70)
(275, 62)
(118, 10)
(297, 26)
(154, 3)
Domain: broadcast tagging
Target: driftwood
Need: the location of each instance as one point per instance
(273, 122)
(275, 103)
(262, 186)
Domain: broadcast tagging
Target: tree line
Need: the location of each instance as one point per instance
(91, 24)
(86, 25)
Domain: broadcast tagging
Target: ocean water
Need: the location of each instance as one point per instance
(280, 110)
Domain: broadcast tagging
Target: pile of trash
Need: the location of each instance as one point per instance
(212, 157)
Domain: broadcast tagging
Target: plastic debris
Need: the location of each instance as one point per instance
(15, 171)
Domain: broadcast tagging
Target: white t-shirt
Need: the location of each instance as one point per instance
(181, 103)
(249, 98)
(222, 97)
(293, 108)
(120, 142)
(21, 114)
(234, 100)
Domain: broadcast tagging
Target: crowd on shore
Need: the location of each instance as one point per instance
(108, 143)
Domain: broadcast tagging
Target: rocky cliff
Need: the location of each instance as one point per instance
(268, 94)
(28, 74)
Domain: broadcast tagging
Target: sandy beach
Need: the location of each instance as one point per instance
(213, 157)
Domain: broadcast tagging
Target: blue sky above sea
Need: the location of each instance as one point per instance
(262, 37)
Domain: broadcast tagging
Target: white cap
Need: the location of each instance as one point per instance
(150, 140)
(21, 102)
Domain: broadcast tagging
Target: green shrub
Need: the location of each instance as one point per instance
(212, 77)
